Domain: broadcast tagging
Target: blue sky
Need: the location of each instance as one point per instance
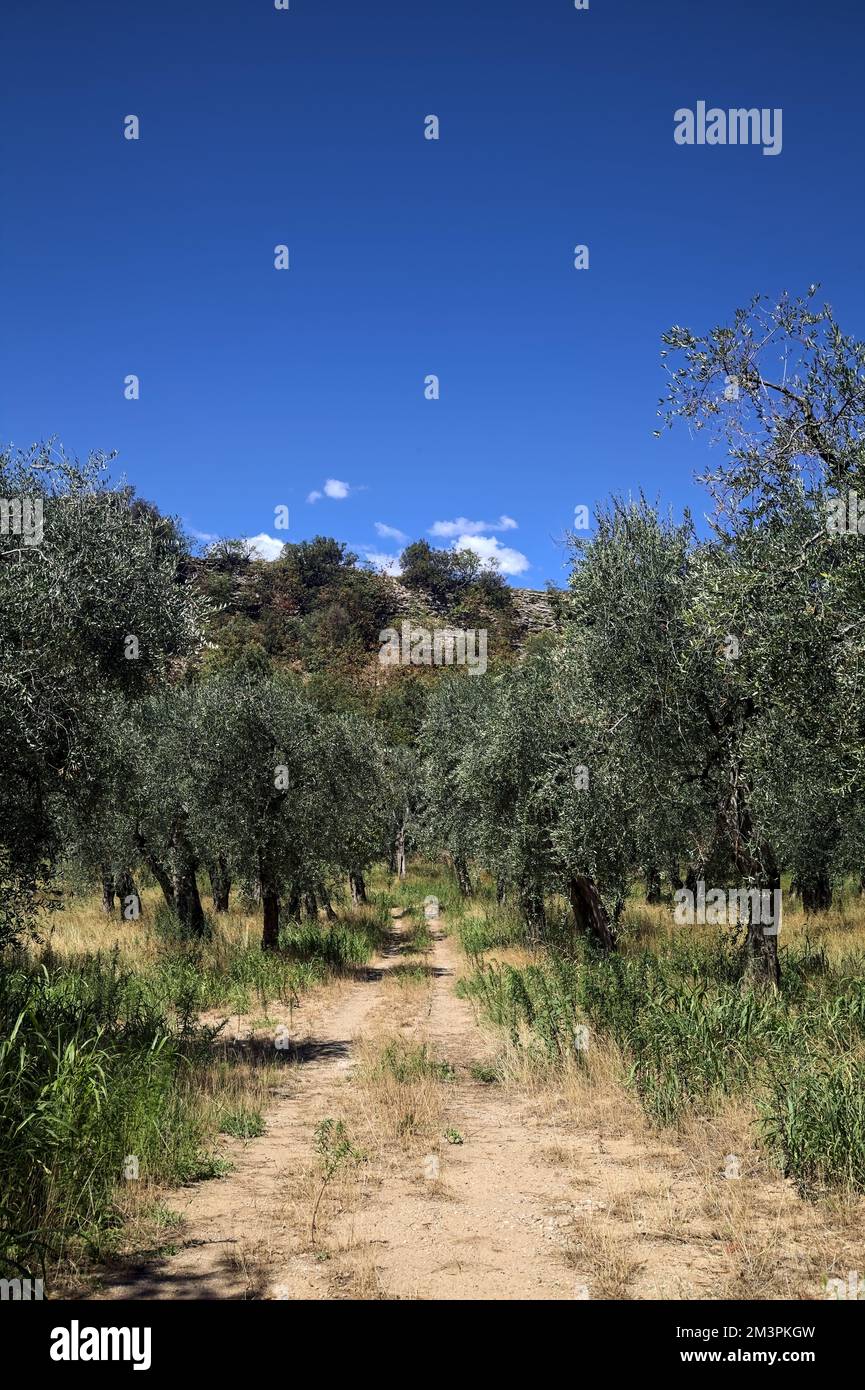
(408, 257)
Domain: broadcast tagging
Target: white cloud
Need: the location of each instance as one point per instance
(390, 532)
(201, 535)
(388, 563)
(463, 527)
(490, 548)
(334, 488)
(264, 547)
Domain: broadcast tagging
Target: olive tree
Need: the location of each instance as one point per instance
(93, 608)
(288, 793)
(783, 389)
(454, 721)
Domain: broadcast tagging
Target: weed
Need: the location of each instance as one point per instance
(407, 1062)
(334, 1149)
(243, 1124)
(486, 1072)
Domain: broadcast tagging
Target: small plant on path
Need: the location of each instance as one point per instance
(243, 1123)
(334, 1149)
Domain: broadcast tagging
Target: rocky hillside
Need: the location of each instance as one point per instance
(533, 611)
(257, 601)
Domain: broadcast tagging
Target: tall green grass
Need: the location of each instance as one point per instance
(337, 946)
(692, 1034)
(90, 1073)
(496, 927)
(100, 1061)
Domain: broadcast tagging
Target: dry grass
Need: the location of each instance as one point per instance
(655, 1214)
(230, 1085)
(82, 927)
(602, 1259)
(412, 973)
(356, 1278)
(252, 1264)
(839, 932)
(399, 1095)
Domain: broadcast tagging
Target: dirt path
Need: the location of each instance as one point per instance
(481, 1231)
(540, 1194)
(235, 1228)
(488, 1228)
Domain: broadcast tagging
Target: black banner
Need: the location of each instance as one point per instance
(82, 1340)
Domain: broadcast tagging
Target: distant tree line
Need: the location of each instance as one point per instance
(698, 715)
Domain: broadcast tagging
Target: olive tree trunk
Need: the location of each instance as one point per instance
(532, 908)
(220, 884)
(653, 884)
(128, 895)
(269, 917)
(187, 900)
(461, 869)
(399, 852)
(107, 877)
(591, 918)
(163, 878)
(816, 892)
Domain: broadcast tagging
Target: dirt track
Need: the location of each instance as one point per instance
(535, 1202)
